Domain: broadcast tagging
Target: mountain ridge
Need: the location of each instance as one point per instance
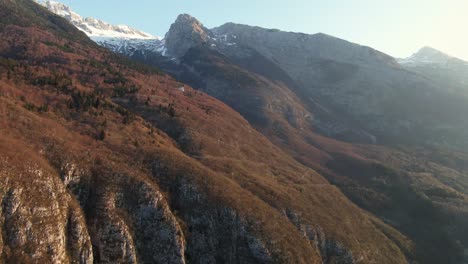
(429, 55)
(93, 27)
(448, 72)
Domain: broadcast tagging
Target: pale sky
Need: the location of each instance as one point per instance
(396, 27)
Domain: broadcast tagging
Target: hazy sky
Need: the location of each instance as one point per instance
(396, 27)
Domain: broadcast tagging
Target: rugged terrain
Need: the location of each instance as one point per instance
(412, 193)
(110, 161)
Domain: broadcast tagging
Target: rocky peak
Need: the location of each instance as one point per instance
(429, 52)
(186, 19)
(186, 32)
(427, 55)
(94, 27)
(61, 10)
(56, 7)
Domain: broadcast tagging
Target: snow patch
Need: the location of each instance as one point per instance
(129, 46)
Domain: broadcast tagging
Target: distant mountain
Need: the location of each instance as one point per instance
(432, 57)
(367, 88)
(93, 27)
(448, 72)
(118, 38)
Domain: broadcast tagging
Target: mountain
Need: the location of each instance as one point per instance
(447, 72)
(361, 85)
(94, 28)
(430, 56)
(105, 160)
(270, 93)
(350, 88)
(264, 160)
(118, 38)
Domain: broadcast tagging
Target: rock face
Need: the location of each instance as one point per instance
(126, 224)
(330, 250)
(186, 32)
(41, 223)
(215, 234)
(146, 233)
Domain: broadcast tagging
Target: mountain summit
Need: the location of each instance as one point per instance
(185, 33)
(449, 73)
(428, 55)
(93, 27)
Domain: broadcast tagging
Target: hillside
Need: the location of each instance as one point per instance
(412, 193)
(109, 161)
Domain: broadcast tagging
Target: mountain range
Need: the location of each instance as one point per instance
(235, 144)
(351, 88)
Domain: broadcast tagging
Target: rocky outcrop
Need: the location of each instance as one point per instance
(331, 250)
(113, 240)
(158, 236)
(40, 221)
(186, 32)
(215, 234)
(129, 221)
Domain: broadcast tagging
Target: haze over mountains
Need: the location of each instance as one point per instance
(244, 145)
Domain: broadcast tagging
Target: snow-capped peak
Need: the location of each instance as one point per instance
(427, 55)
(94, 27)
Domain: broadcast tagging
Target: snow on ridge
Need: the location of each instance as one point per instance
(122, 38)
(94, 27)
(129, 46)
(223, 39)
(429, 56)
